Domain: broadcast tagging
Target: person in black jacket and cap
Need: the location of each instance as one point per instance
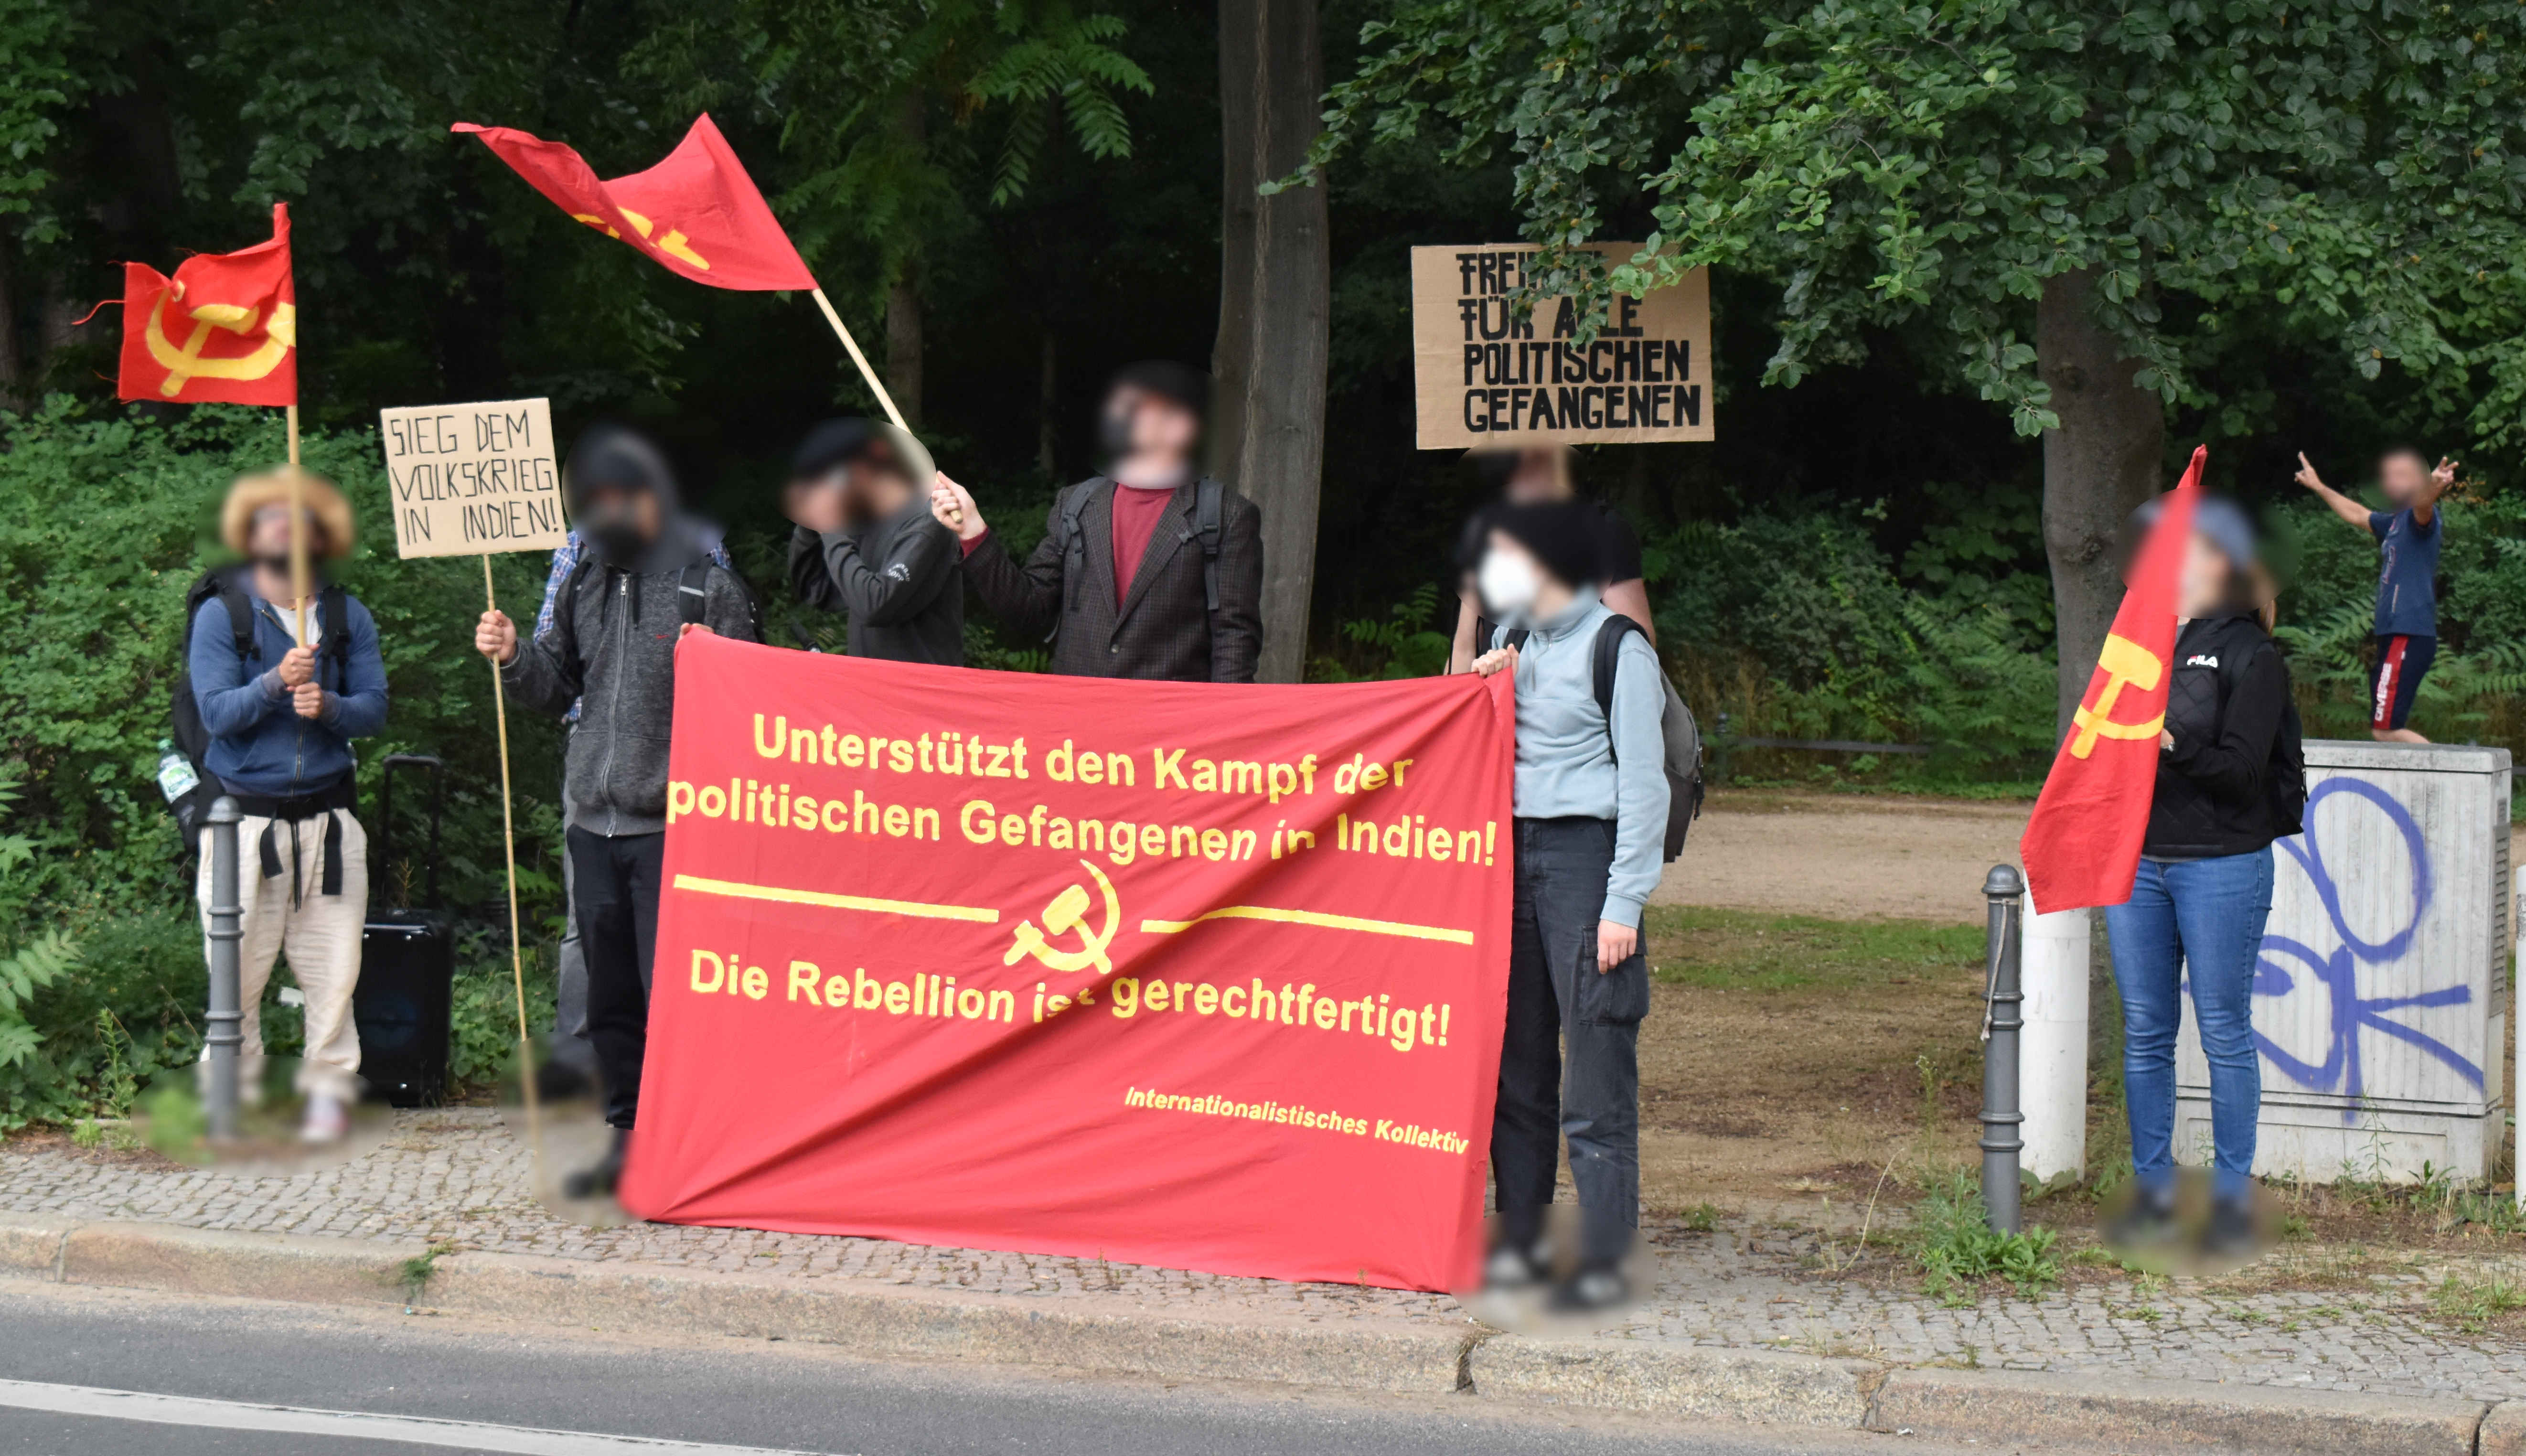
(2229, 783)
(867, 544)
(613, 650)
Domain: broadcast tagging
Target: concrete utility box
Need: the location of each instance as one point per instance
(2381, 998)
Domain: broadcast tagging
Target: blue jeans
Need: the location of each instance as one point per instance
(2205, 917)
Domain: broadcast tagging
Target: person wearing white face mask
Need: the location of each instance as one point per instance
(1590, 823)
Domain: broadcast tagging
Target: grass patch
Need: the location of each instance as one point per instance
(1749, 950)
(1956, 1249)
(2472, 1305)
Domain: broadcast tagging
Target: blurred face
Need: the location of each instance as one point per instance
(2402, 475)
(1539, 476)
(266, 537)
(879, 482)
(2204, 584)
(619, 517)
(1153, 425)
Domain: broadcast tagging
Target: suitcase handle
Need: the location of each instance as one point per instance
(385, 810)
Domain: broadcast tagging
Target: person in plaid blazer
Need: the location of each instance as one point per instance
(1148, 573)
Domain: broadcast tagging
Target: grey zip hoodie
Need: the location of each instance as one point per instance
(1568, 765)
(626, 623)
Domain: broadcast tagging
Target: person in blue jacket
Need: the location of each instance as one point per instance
(1591, 802)
(282, 716)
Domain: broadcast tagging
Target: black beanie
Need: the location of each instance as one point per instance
(1168, 380)
(1559, 534)
(617, 458)
(829, 444)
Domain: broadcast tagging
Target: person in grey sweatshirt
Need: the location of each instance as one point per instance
(867, 545)
(646, 580)
(1590, 801)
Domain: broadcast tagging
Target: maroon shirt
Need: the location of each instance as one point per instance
(1135, 521)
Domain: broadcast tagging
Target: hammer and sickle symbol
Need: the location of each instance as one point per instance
(1068, 911)
(2124, 661)
(675, 244)
(279, 331)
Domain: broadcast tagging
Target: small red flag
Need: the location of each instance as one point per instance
(2082, 844)
(223, 330)
(697, 213)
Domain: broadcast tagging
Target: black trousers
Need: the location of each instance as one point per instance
(1556, 997)
(616, 884)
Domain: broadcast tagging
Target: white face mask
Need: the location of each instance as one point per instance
(1509, 584)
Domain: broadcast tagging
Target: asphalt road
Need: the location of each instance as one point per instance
(102, 1373)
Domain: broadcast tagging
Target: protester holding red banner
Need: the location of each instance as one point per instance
(1591, 803)
(2228, 782)
(647, 577)
(1150, 572)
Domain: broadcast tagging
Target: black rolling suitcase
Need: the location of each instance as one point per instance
(407, 964)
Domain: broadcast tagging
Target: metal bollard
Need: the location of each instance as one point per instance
(2002, 1000)
(222, 1034)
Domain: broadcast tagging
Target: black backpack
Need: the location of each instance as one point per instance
(194, 740)
(1206, 496)
(1685, 788)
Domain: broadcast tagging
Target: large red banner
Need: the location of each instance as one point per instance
(1195, 974)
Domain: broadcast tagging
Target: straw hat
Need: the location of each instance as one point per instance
(251, 493)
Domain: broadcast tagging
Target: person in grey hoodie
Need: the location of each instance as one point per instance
(1590, 801)
(867, 544)
(613, 651)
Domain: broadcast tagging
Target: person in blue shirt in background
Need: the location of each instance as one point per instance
(2407, 569)
(281, 717)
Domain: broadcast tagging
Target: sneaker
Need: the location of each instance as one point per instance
(597, 1179)
(2146, 1223)
(1593, 1289)
(1512, 1268)
(2230, 1235)
(328, 1120)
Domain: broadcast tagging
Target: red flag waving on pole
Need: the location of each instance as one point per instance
(2082, 844)
(223, 330)
(697, 213)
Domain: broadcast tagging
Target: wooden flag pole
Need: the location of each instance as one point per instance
(851, 346)
(509, 842)
(298, 532)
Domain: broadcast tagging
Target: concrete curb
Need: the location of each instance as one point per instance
(1100, 1332)
(2120, 1413)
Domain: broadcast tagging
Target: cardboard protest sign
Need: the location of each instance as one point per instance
(1484, 377)
(474, 477)
(1204, 975)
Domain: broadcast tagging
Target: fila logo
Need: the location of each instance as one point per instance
(2202, 660)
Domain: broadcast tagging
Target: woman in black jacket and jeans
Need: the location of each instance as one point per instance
(2228, 786)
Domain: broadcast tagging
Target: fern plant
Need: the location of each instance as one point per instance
(27, 963)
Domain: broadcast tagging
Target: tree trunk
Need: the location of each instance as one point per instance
(903, 347)
(15, 391)
(1275, 303)
(2101, 462)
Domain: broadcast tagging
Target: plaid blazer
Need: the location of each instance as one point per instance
(1163, 628)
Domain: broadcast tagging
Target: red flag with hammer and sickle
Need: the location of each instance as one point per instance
(223, 330)
(697, 213)
(2082, 844)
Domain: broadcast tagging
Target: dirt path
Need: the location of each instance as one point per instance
(1844, 856)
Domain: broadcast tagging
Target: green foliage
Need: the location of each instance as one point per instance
(1399, 644)
(1952, 1242)
(2355, 174)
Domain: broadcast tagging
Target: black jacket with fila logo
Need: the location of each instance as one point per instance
(2221, 790)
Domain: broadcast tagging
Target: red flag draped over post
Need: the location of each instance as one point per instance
(2082, 844)
(697, 213)
(223, 330)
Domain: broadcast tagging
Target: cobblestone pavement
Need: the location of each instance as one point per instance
(460, 1177)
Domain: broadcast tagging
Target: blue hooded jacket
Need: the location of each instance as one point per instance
(259, 744)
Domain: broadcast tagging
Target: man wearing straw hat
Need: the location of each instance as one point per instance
(281, 692)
